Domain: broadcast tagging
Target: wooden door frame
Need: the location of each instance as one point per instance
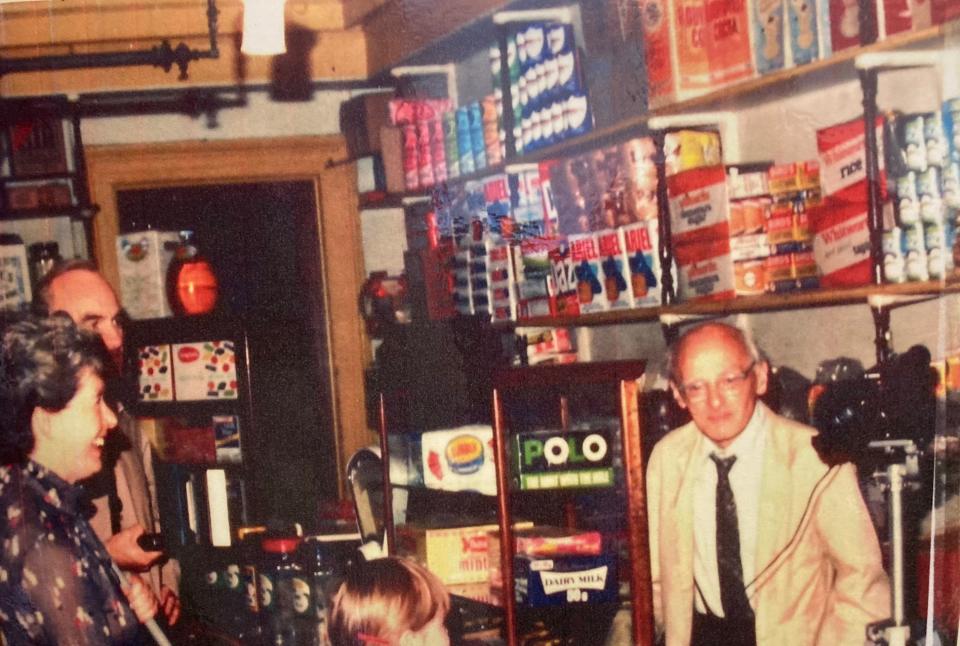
(116, 167)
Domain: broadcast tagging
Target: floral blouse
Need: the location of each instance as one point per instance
(56, 582)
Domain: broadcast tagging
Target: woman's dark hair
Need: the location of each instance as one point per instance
(41, 359)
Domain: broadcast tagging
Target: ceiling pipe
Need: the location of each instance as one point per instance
(163, 55)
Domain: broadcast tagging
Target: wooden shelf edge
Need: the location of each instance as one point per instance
(72, 212)
(597, 372)
(746, 304)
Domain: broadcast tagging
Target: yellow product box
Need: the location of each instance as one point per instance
(455, 554)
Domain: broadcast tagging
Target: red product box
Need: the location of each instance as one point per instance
(845, 22)
(896, 16)
(778, 269)
(698, 202)
(793, 177)
(675, 49)
(728, 41)
(843, 167)
(841, 243)
(438, 280)
(565, 279)
(779, 225)
(942, 11)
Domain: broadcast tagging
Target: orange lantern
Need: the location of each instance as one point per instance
(192, 286)
(196, 287)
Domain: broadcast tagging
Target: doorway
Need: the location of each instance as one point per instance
(261, 238)
(113, 170)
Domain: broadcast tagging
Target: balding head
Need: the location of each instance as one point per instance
(83, 294)
(717, 374)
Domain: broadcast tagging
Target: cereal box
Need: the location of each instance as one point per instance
(641, 247)
(767, 25)
(585, 258)
(143, 258)
(803, 30)
(691, 58)
(204, 370)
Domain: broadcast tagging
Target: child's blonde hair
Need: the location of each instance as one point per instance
(382, 599)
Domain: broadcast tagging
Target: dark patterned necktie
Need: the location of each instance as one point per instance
(733, 596)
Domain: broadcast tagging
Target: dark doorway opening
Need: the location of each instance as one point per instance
(264, 243)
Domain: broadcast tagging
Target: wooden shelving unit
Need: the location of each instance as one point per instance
(438, 43)
(734, 95)
(746, 304)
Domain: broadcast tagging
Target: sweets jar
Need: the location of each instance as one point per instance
(192, 286)
(285, 595)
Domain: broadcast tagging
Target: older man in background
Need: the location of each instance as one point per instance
(126, 506)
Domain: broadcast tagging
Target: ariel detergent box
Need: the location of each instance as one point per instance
(585, 258)
(641, 248)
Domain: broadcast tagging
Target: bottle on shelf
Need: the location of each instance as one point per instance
(43, 256)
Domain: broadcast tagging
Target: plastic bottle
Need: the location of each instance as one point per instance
(283, 590)
(320, 571)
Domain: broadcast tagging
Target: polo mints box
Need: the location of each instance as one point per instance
(553, 459)
(565, 580)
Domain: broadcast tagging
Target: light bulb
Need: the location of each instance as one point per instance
(263, 28)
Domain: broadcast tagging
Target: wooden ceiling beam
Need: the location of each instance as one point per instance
(86, 21)
(315, 30)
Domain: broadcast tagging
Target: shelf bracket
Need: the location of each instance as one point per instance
(868, 87)
(671, 323)
(448, 69)
(556, 14)
(881, 61)
(893, 301)
(883, 336)
(726, 123)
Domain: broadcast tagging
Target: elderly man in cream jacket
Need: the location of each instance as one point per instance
(754, 540)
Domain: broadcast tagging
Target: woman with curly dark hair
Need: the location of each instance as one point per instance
(57, 585)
